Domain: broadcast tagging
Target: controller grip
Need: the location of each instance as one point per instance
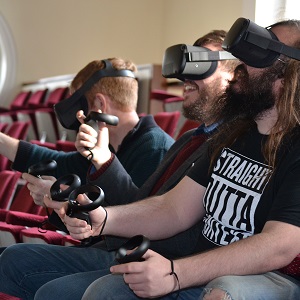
(94, 117)
(42, 168)
(72, 180)
(140, 242)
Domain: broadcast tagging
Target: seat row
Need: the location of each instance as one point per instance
(21, 220)
(37, 108)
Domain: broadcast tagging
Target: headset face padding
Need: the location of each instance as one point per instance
(140, 242)
(72, 180)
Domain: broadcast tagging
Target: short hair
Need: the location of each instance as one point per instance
(216, 38)
(123, 91)
(213, 37)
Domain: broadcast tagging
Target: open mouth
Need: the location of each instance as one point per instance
(189, 86)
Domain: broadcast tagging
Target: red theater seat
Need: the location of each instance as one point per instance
(167, 121)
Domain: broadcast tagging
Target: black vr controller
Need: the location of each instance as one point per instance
(71, 180)
(76, 210)
(140, 242)
(94, 117)
(42, 168)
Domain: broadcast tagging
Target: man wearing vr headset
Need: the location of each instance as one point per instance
(246, 194)
(199, 95)
(117, 95)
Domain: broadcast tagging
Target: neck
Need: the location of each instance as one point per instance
(127, 121)
(267, 121)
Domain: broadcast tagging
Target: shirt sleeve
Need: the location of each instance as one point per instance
(286, 190)
(200, 172)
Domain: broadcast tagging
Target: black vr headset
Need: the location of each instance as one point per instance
(256, 46)
(66, 109)
(191, 62)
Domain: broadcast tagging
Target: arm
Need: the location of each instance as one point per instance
(108, 171)
(8, 146)
(269, 250)
(126, 191)
(67, 162)
(276, 246)
(157, 217)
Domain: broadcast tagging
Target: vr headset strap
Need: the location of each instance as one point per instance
(272, 45)
(108, 71)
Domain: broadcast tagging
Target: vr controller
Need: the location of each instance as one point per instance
(72, 180)
(140, 242)
(94, 117)
(76, 210)
(42, 168)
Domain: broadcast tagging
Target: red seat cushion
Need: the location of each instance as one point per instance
(293, 268)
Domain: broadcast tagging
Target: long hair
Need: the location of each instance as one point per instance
(288, 108)
(287, 105)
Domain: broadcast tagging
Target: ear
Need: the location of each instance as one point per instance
(100, 103)
(278, 84)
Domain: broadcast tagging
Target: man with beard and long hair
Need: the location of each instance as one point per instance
(244, 196)
(199, 95)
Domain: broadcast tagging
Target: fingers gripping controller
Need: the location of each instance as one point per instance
(42, 168)
(140, 242)
(93, 118)
(76, 210)
(72, 180)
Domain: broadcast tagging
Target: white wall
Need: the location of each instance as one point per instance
(55, 37)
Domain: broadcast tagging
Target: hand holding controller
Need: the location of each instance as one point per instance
(42, 168)
(140, 242)
(94, 117)
(76, 210)
(72, 180)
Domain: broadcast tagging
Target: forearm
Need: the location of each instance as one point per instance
(27, 154)
(267, 251)
(8, 146)
(159, 217)
(153, 221)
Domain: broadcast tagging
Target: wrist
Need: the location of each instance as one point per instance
(100, 231)
(175, 276)
(103, 158)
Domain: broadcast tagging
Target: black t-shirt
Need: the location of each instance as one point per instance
(240, 196)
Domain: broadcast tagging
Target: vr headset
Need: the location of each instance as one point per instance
(191, 62)
(66, 109)
(256, 46)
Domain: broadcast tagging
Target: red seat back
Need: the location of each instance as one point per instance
(20, 101)
(167, 121)
(8, 184)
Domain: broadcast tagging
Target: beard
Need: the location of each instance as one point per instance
(194, 110)
(199, 110)
(250, 99)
